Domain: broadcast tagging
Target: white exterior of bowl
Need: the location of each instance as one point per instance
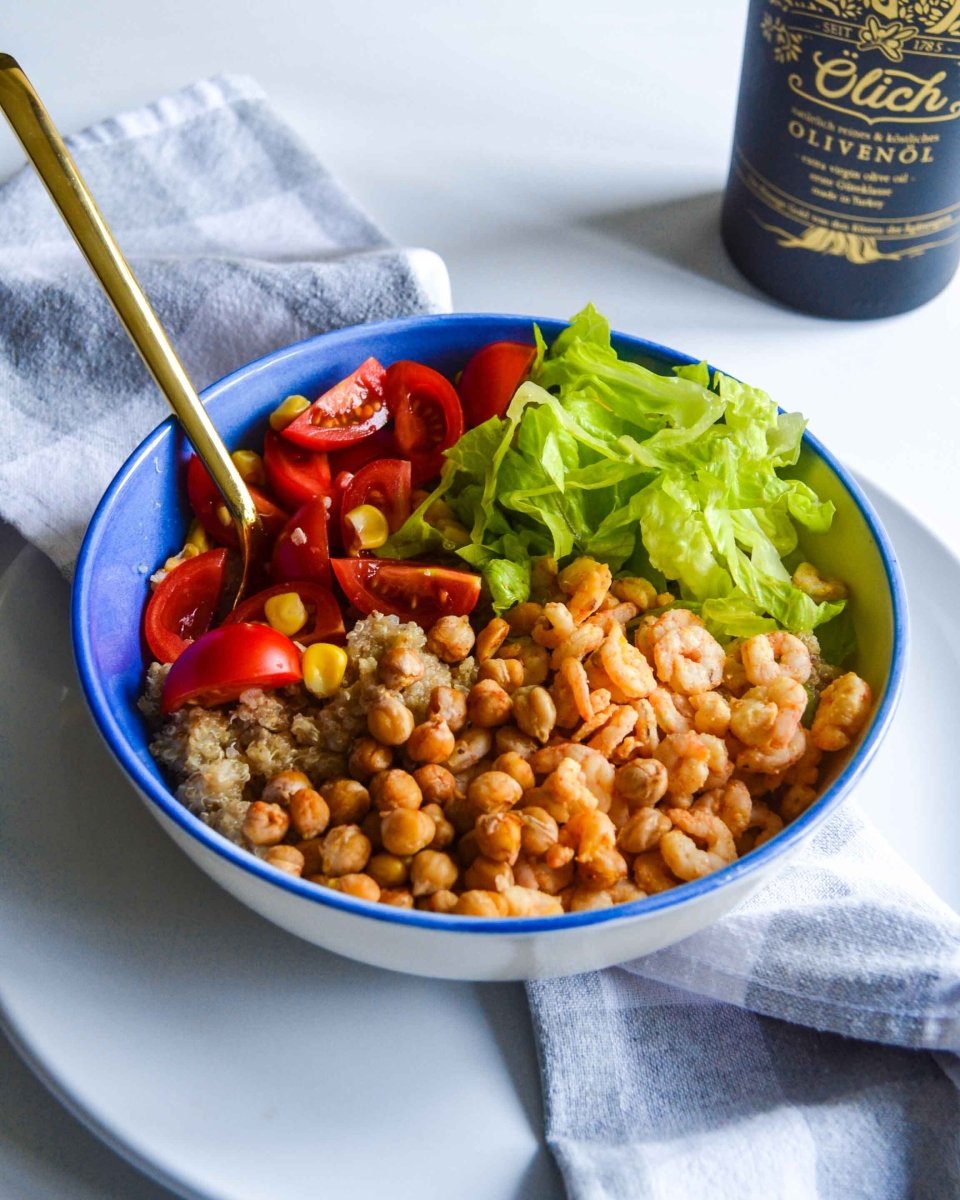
(405, 946)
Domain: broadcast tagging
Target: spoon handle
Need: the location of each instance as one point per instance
(45, 148)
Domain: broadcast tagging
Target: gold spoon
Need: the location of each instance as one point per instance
(44, 147)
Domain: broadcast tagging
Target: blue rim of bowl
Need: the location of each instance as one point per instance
(797, 831)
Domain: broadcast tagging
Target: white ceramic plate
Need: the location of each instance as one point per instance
(234, 1062)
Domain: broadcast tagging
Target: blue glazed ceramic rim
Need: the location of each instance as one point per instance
(798, 831)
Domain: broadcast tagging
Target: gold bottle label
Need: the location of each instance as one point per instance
(859, 155)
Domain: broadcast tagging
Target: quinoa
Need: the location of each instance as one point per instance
(220, 759)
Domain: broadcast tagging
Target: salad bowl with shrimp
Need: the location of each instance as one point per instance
(561, 643)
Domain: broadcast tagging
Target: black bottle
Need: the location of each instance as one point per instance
(844, 191)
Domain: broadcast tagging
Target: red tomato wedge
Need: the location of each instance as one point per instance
(226, 661)
(381, 444)
(386, 485)
(347, 413)
(295, 475)
(490, 379)
(206, 501)
(302, 550)
(324, 619)
(409, 591)
(427, 416)
(183, 605)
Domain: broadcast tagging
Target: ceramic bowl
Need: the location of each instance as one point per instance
(141, 520)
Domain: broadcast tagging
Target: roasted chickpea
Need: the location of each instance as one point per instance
(348, 801)
(529, 902)
(604, 867)
(285, 858)
(491, 638)
(471, 746)
(523, 618)
(431, 742)
(388, 870)
(481, 904)
(587, 899)
(283, 787)
(498, 836)
(507, 672)
(643, 830)
(450, 704)
(346, 850)
(368, 757)
(312, 851)
(359, 885)
(510, 739)
(442, 902)
(396, 897)
(445, 833)
(642, 783)
(395, 789)
(371, 827)
(460, 814)
(407, 831)
(390, 721)
(432, 871)
(488, 704)
(265, 824)
(552, 879)
(539, 831)
(436, 783)
(399, 667)
(451, 639)
(513, 764)
(309, 813)
(493, 791)
(535, 712)
(468, 848)
(487, 875)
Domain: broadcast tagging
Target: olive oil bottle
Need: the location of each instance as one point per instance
(844, 191)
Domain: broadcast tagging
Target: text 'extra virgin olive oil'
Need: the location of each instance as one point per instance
(844, 191)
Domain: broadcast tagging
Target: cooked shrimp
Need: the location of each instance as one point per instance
(711, 713)
(673, 713)
(771, 654)
(687, 759)
(819, 587)
(689, 660)
(645, 737)
(765, 821)
(621, 724)
(773, 760)
(553, 626)
(635, 590)
(842, 712)
(625, 667)
(718, 760)
(586, 582)
(731, 803)
(579, 644)
(680, 851)
(598, 772)
(571, 690)
(652, 874)
(651, 629)
(769, 715)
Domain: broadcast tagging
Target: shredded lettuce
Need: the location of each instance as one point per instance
(675, 477)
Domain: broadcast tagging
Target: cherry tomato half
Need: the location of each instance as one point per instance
(490, 379)
(386, 485)
(350, 411)
(183, 605)
(324, 619)
(295, 475)
(206, 501)
(410, 591)
(302, 550)
(226, 661)
(381, 444)
(427, 416)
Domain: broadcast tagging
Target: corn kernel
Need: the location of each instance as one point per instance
(453, 531)
(250, 466)
(286, 613)
(223, 515)
(197, 536)
(323, 668)
(369, 525)
(189, 551)
(285, 412)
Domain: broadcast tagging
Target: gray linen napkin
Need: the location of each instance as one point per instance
(241, 240)
(744, 1062)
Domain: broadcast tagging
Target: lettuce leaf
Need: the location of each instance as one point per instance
(672, 476)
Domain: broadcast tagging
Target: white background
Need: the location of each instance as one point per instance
(553, 153)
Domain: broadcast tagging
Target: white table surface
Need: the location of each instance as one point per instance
(553, 153)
